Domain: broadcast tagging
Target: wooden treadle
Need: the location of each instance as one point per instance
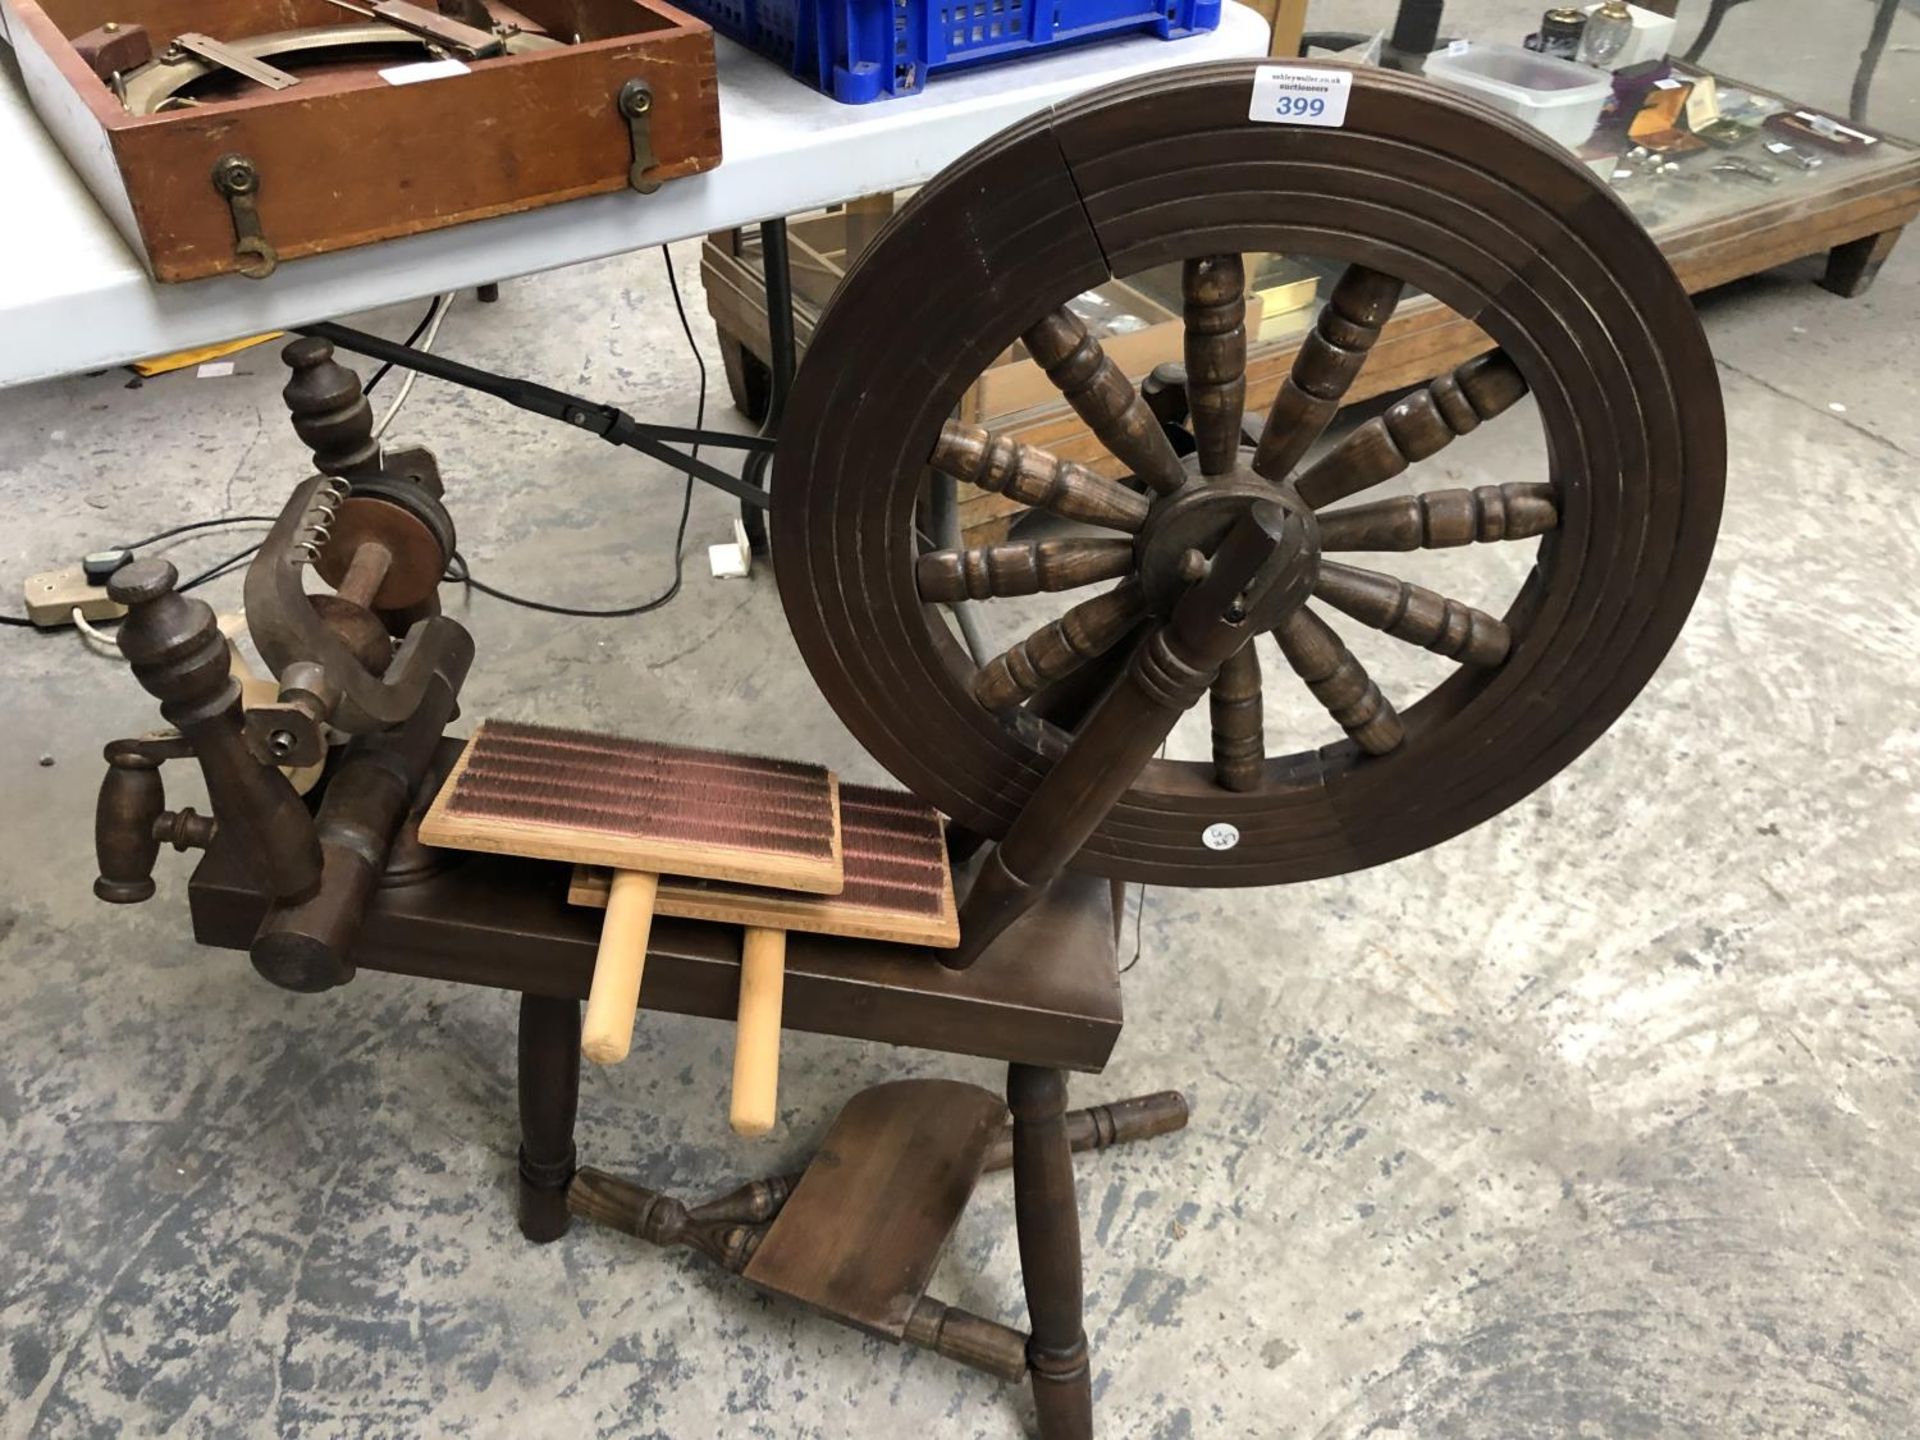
(867, 1221)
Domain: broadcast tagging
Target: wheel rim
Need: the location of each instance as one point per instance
(1420, 185)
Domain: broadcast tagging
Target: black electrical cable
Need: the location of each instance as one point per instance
(214, 572)
(205, 576)
(411, 341)
(1139, 914)
(212, 524)
(460, 573)
(1140, 911)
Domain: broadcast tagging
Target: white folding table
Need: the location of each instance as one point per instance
(73, 298)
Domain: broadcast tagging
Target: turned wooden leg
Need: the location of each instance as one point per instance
(1048, 1220)
(549, 1095)
(1851, 267)
(1100, 1127)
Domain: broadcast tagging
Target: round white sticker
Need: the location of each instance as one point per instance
(1221, 836)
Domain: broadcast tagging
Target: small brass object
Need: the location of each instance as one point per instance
(237, 179)
(636, 104)
(217, 52)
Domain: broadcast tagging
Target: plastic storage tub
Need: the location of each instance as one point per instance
(1554, 95)
(861, 50)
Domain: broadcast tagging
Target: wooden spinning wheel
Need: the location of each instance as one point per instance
(1420, 188)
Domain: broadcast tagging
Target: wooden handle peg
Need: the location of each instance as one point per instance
(607, 1033)
(756, 1042)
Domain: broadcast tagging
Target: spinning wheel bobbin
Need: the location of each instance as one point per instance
(388, 546)
(383, 547)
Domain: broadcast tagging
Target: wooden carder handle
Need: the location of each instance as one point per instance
(756, 1041)
(607, 1033)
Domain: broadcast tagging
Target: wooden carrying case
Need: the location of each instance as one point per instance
(347, 158)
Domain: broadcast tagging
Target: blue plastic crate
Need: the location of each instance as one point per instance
(861, 50)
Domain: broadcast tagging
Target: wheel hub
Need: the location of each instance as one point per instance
(1198, 516)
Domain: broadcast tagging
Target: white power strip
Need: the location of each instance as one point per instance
(54, 596)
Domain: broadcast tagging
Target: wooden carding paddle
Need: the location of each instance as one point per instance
(899, 887)
(644, 810)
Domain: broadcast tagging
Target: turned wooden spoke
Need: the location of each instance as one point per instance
(1105, 399)
(1413, 428)
(1055, 651)
(987, 572)
(1239, 722)
(1439, 519)
(1329, 360)
(1033, 477)
(1214, 288)
(1338, 682)
(1415, 614)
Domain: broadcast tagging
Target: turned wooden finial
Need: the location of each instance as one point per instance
(174, 643)
(178, 653)
(330, 411)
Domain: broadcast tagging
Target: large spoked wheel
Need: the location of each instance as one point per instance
(1418, 188)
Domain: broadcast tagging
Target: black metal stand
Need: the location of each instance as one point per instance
(1869, 58)
(1415, 35)
(783, 352)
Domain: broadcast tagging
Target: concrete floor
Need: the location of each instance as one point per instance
(1593, 1122)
